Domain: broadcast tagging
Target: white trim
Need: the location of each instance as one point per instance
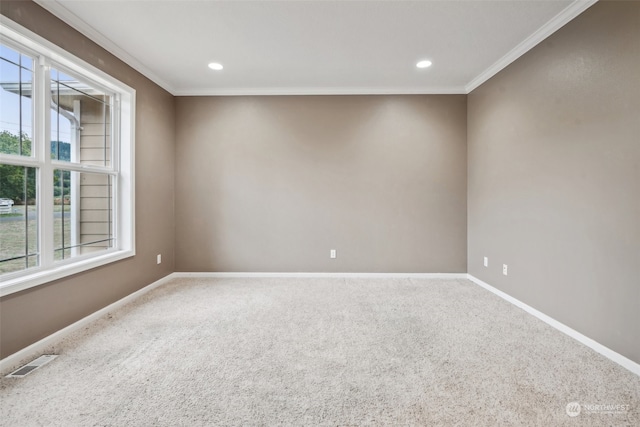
(594, 345)
(16, 358)
(73, 20)
(92, 34)
(38, 276)
(48, 54)
(322, 275)
(36, 43)
(125, 202)
(451, 90)
(557, 22)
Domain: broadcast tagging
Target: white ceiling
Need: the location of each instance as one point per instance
(317, 47)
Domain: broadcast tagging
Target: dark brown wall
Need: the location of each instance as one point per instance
(274, 183)
(33, 314)
(554, 177)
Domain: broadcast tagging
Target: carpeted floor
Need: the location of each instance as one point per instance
(339, 352)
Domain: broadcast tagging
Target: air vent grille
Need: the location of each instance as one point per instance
(32, 366)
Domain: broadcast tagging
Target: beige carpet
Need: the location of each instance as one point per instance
(231, 352)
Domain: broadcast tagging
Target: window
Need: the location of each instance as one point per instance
(66, 163)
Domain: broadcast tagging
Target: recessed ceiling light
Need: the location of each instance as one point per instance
(215, 66)
(423, 64)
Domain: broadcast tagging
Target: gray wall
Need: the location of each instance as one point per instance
(30, 315)
(271, 184)
(554, 177)
(274, 183)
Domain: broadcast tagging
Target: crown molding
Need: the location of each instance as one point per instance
(459, 90)
(557, 22)
(71, 19)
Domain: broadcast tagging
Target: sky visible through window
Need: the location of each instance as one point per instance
(15, 69)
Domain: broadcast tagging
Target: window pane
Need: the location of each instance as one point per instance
(16, 111)
(9, 54)
(80, 122)
(18, 219)
(82, 212)
(26, 62)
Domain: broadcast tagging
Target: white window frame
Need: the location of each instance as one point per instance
(49, 55)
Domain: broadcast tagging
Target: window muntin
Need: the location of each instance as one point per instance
(80, 121)
(81, 134)
(82, 160)
(83, 220)
(16, 84)
(18, 223)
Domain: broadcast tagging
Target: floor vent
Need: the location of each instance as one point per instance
(32, 366)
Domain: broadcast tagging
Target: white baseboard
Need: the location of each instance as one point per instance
(594, 345)
(13, 360)
(34, 349)
(326, 275)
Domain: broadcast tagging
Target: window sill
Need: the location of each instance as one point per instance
(40, 277)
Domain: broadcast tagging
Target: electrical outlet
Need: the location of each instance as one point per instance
(486, 261)
(333, 254)
(504, 269)
(159, 259)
